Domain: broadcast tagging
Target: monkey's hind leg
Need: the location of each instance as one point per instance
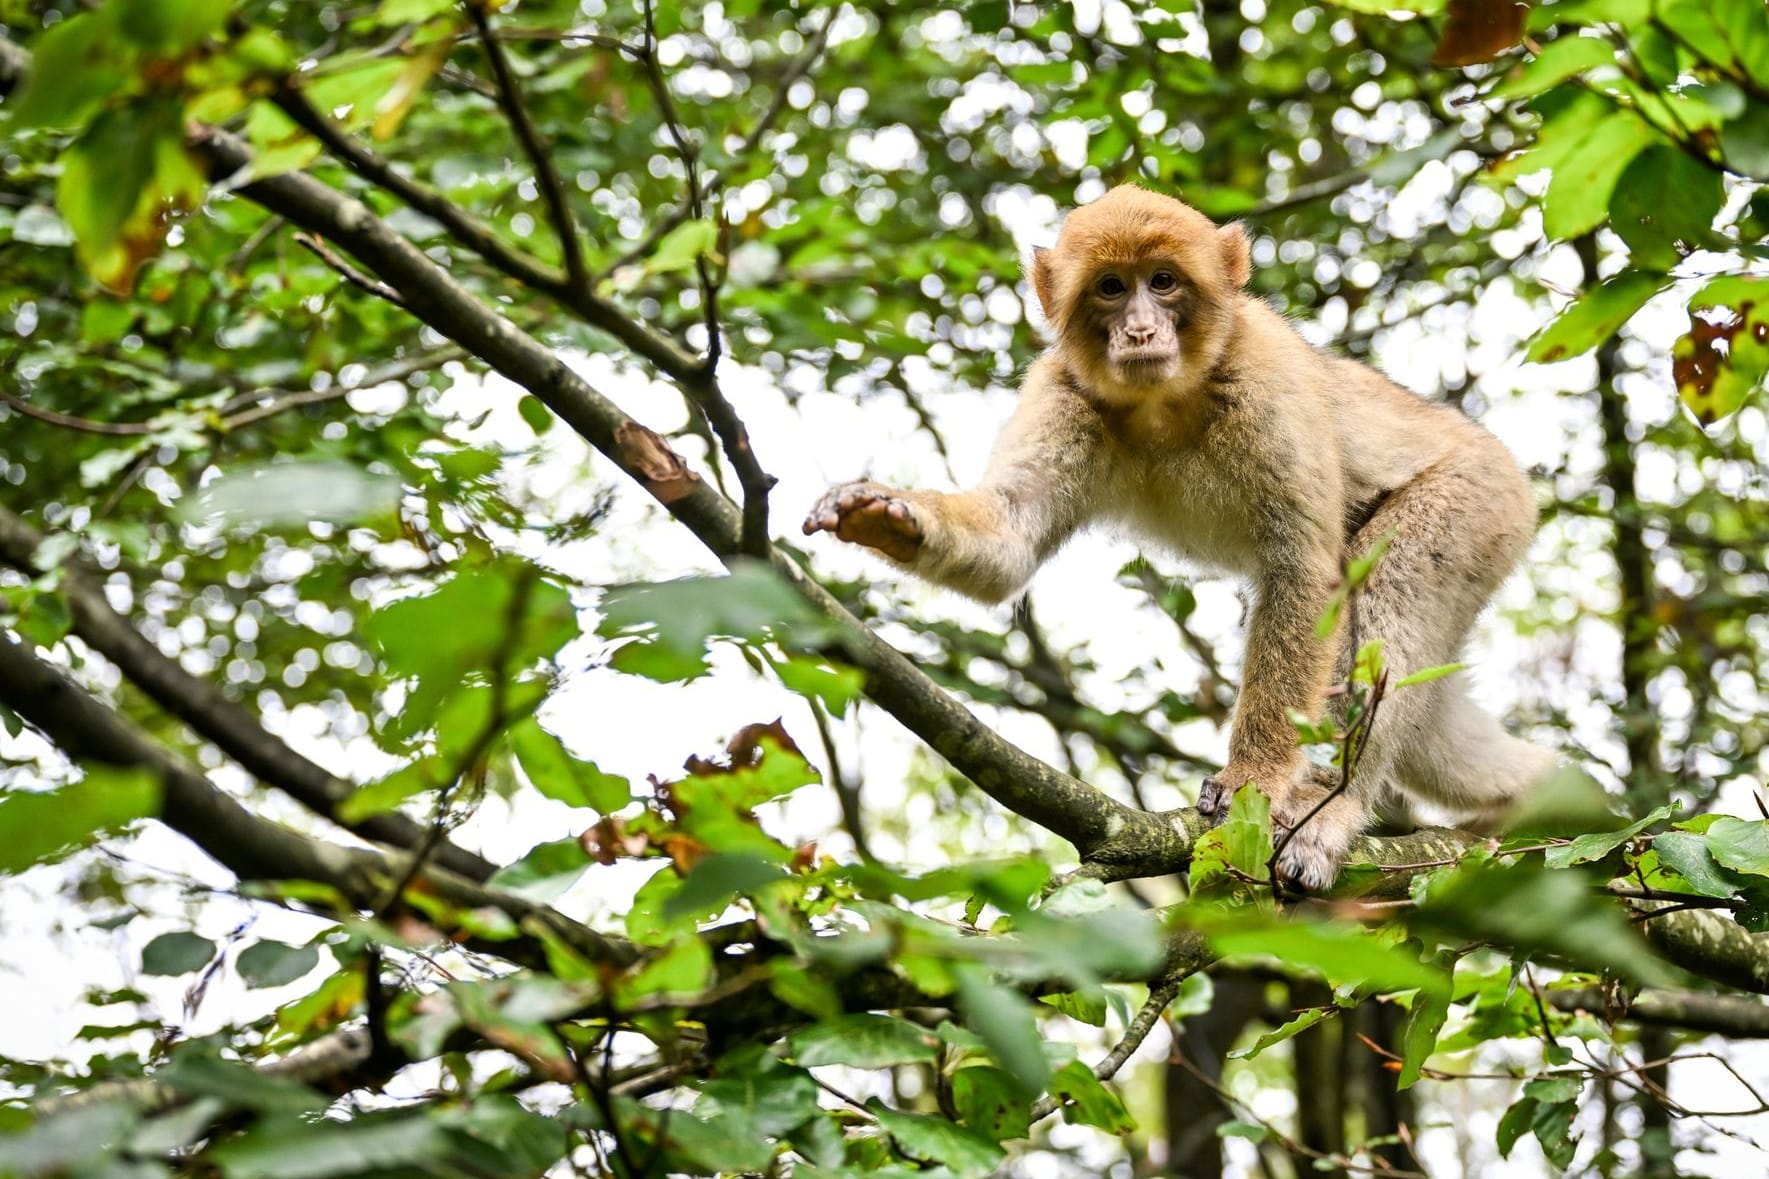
(1457, 531)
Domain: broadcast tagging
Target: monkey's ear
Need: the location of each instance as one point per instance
(1043, 275)
(1237, 260)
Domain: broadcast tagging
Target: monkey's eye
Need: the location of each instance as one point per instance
(1162, 282)
(1111, 286)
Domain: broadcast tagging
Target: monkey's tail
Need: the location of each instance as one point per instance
(1475, 769)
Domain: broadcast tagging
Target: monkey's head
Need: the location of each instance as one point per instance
(1138, 291)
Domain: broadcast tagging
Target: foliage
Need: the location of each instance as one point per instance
(261, 448)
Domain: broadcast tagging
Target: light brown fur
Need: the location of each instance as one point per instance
(1253, 452)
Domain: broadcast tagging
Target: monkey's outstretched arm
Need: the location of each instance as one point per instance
(986, 542)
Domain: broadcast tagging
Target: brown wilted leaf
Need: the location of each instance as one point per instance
(684, 851)
(744, 750)
(609, 840)
(1479, 30)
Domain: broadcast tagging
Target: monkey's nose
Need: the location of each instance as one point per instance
(1138, 336)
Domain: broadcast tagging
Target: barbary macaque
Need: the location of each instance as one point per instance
(1174, 404)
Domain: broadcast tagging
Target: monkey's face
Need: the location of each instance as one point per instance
(1136, 314)
(1138, 292)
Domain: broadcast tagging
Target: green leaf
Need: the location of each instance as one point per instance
(992, 1102)
(718, 879)
(1292, 1027)
(682, 246)
(1004, 1018)
(546, 871)
(1431, 1007)
(1427, 674)
(1251, 1131)
(280, 494)
(179, 952)
(1740, 844)
(1725, 354)
(559, 775)
(75, 1142)
(835, 685)
(75, 66)
(1595, 316)
(504, 615)
(1539, 911)
(676, 618)
(286, 1148)
(936, 1140)
(863, 1041)
(275, 964)
(1578, 194)
(121, 179)
(1343, 954)
(167, 28)
(1687, 854)
(1664, 207)
(1086, 1102)
(1515, 1124)
(400, 12)
(1744, 141)
(239, 1085)
(1088, 1007)
(1240, 847)
(1589, 848)
(1560, 59)
(36, 827)
(755, 1090)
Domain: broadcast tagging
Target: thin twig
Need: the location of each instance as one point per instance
(1160, 996)
(546, 174)
(703, 385)
(349, 273)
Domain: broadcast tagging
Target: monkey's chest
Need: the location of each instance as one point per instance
(1170, 508)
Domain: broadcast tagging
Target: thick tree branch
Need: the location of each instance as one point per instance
(256, 849)
(1736, 1016)
(234, 728)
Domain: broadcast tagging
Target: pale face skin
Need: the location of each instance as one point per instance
(1138, 310)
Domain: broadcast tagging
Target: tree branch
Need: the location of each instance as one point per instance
(545, 173)
(201, 705)
(257, 849)
(1735, 1016)
(1116, 842)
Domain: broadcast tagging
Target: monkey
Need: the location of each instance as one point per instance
(1176, 406)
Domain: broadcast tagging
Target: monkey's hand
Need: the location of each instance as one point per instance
(1219, 789)
(870, 514)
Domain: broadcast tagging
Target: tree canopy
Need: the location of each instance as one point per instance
(406, 410)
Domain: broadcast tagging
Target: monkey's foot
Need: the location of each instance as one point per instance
(868, 514)
(1308, 862)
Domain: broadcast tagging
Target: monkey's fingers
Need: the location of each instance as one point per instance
(1213, 800)
(827, 514)
(883, 524)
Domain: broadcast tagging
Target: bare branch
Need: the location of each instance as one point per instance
(1160, 995)
(733, 434)
(545, 173)
(347, 272)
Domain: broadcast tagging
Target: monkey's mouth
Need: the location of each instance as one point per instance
(1142, 365)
